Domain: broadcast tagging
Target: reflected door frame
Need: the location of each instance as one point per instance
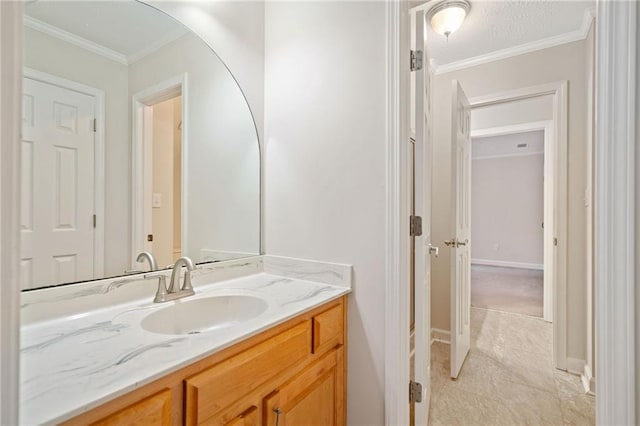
(141, 162)
(99, 156)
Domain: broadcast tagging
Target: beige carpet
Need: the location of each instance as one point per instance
(507, 379)
(507, 289)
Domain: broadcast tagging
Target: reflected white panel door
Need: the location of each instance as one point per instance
(57, 234)
(460, 244)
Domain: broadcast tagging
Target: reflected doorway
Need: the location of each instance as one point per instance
(166, 211)
(159, 142)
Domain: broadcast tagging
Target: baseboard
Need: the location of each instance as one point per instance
(575, 366)
(506, 264)
(588, 381)
(442, 336)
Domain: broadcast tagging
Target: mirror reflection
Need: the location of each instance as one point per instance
(136, 138)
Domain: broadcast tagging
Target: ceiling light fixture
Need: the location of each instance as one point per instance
(447, 16)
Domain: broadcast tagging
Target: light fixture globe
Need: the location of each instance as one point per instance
(447, 16)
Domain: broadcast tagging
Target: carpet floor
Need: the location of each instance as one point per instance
(507, 289)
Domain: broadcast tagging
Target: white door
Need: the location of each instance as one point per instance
(459, 243)
(57, 223)
(421, 123)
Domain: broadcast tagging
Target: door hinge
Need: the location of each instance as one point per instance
(95, 220)
(95, 125)
(416, 60)
(415, 391)
(415, 226)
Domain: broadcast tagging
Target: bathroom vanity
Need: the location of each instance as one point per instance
(262, 342)
(295, 371)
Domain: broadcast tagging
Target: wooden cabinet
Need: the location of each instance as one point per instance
(309, 398)
(292, 374)
(215, 388)
(248, 418)
(155, 409)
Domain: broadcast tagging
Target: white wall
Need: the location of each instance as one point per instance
(518, 112)
(53, 56)
(507, 210)
(325, 114)
(220, 147)
(235, 31)
(565, 62)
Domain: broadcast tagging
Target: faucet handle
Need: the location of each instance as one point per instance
(187, 281)
(161, 293)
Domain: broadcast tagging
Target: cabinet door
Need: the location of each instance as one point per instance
(248, 418)
(308, 399)
(154, 410)
(217, 388)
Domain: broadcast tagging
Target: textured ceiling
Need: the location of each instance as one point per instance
(496, 25)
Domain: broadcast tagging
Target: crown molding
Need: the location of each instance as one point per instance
(163, 41)
(572, 36)
(78, 41)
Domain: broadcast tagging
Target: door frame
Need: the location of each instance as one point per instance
(397, 239)
(559, 91)
(141, 165)
(549, 160)
(617, 226)
(11, 37)
(98, 156)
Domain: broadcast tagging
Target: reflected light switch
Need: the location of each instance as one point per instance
(156, 201)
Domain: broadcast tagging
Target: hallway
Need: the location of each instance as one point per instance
(515, 290)
(508, 378)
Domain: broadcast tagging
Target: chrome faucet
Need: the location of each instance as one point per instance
(149, 257)
(175, 291)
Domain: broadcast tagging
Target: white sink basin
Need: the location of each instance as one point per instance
(199, 315)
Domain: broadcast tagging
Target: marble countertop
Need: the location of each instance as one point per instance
(70, 365)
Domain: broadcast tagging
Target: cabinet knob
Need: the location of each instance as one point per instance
(278, 411)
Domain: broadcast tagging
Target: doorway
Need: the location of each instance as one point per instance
(555, 219)
(507, 222)
(159, 141)
(166, 155)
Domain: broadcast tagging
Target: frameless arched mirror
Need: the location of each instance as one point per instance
(136, 137)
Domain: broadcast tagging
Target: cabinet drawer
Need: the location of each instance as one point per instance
(154, 410)
(219, 386)
(328, 329)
